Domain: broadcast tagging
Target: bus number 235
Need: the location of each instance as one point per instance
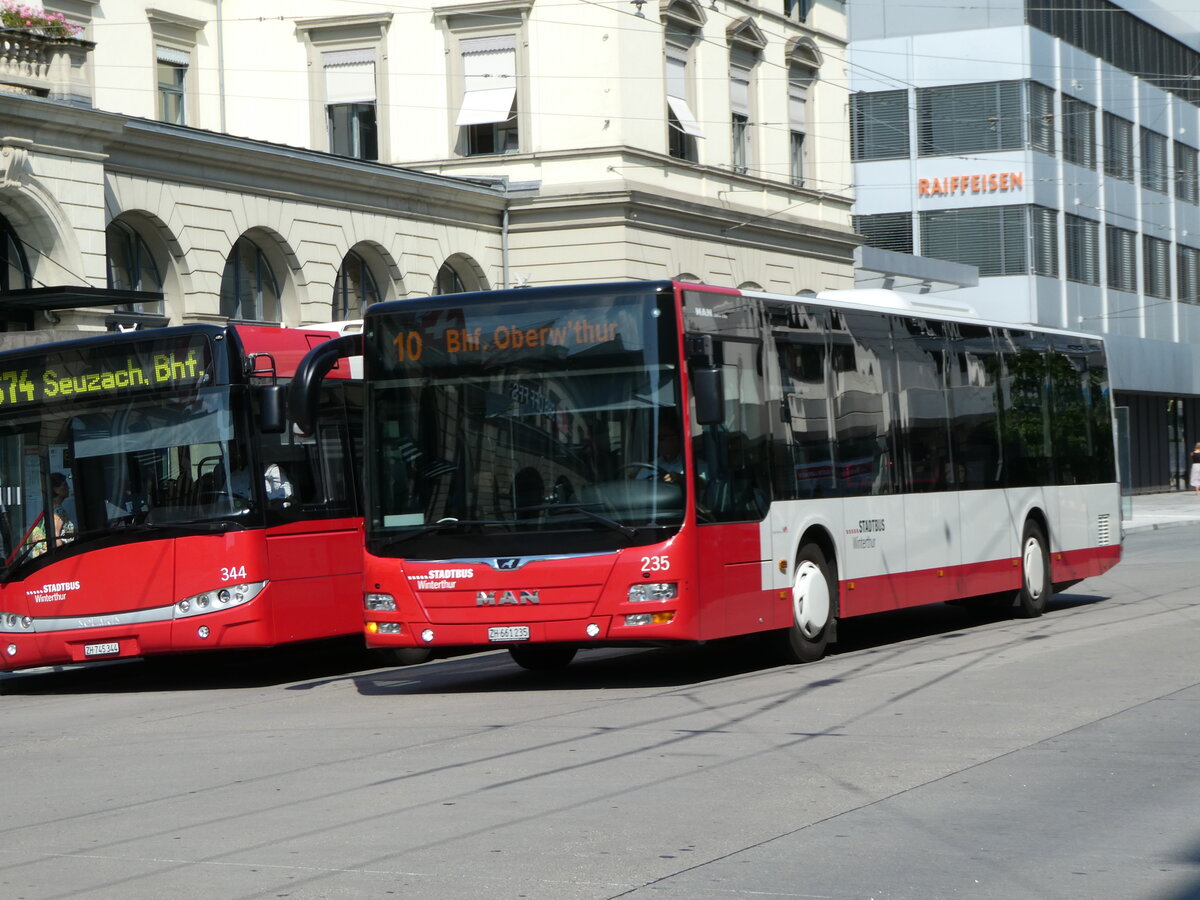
(656, 563)
(233, 572)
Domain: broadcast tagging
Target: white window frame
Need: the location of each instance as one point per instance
(174, 43)
(472, 102)
(351, 40)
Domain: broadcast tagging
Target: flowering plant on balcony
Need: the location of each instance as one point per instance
(36, 20)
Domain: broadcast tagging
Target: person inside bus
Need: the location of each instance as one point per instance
(64, 526)
(668, 465)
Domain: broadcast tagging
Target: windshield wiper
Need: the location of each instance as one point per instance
(628, 530)
(193, 526)
(22, 554)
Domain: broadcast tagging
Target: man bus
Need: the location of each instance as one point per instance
(198, 517)
(844, 454)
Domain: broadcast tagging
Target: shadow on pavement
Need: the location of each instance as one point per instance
(313, 665)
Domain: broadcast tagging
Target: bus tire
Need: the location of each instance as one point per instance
(1035, 573)
(403, 656)
(542, 657)
(814, 606)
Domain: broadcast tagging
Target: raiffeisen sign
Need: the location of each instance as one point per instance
(972, 183)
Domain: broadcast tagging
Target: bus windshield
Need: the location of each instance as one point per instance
(100, 447)
(555, 415)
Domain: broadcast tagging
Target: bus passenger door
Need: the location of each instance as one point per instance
(733, 492)
(928, 474)
(314, 545)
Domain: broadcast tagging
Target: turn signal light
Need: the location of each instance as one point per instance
(654, 618)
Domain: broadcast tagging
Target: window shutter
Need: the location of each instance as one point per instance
(349, 76)
(739, 89)
(798, 104)
(489, 80)
(171, 56)
(677, 91)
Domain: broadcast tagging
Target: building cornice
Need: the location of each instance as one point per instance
(484, 8)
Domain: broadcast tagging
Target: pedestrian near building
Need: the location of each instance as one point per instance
(1194, 477)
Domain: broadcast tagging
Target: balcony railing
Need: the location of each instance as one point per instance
(39, 66)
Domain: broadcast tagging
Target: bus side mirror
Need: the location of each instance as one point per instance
(709, 394)
(272, 409)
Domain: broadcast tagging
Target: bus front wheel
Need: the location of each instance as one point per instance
(814, 605)
(1035, 573)
(542, 657)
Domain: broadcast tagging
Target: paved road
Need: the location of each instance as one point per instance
(931, 756)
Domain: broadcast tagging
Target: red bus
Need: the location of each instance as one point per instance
(154, 497)
(643, 463)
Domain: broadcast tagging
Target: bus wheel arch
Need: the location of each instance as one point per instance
(814, 599)
(1036, 585)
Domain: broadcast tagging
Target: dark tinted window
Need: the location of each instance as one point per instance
(975, 424)
(1080, 425)
(923, 438)
(863, 365)
(803, 360)
(1025, 420)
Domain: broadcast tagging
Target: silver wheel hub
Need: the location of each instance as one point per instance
(1034, 563)
(810, 599)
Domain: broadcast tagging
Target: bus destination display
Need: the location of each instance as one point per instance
(568, 333)
(83, 375)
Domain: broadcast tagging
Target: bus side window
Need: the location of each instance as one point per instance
(863, 365)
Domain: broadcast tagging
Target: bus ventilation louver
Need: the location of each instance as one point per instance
(1104, 530)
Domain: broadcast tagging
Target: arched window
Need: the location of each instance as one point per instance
(449, 281)
(14, 266)
(249, 291)
(131, 266)
(355, 288)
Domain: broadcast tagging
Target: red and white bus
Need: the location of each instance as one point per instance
(843, 454)
(154, 497)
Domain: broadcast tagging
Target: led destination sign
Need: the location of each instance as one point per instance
(453, 338)
(102, 371)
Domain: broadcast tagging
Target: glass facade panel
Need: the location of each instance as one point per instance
(1118, 147)
(1122, 259)
(1083, 249)
(1154, 161)
(1079, 132)
(1156, 264)
(887, 231)
(992, 238)
(1186, 175)
(970, 118)
(879, 125)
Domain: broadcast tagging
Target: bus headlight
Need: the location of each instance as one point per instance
(221, 598)
(11, 623)
(661, 590)
(380, 602)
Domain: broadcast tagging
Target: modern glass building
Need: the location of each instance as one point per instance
(1054, 145)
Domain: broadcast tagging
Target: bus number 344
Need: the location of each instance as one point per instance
(231, 573)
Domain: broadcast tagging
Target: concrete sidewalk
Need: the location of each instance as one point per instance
(1153, 511)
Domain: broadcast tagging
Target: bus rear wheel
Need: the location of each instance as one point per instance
(814, 605)
(1035, 573)
(542, 657)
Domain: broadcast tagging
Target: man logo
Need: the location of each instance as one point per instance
(506, 598)
(510, 562)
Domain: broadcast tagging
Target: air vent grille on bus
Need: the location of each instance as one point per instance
(1104, 530)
